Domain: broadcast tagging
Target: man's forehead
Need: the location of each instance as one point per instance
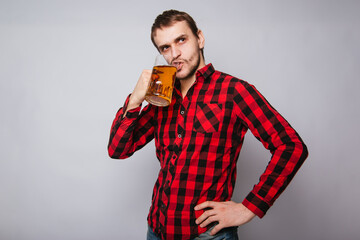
(171, 32)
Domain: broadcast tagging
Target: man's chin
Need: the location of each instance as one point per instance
(181, 76)
(184, 75)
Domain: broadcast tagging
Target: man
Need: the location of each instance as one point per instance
(198, 140)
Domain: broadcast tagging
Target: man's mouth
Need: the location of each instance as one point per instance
(178, 65)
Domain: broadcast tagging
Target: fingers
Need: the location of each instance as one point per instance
(138, 95)
(207, 216)
(145, 76)
(216, 229)
(226, 214)
(209, 220)
(207, 204)
(143, 81)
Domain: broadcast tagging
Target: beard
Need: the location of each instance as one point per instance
(192, 68)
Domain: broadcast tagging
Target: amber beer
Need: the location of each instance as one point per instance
(161, 85)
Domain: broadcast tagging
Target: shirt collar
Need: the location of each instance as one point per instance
(205, 72)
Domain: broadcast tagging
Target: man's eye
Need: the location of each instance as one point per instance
(163, 49)
(182, 40)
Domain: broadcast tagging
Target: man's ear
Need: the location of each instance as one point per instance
(201, 39)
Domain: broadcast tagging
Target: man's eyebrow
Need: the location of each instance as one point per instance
(176, 40)
(180, 37)
(162, 46)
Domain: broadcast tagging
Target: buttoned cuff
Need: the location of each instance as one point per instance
(132, 113)
(256, 204)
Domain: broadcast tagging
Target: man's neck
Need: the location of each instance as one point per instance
(186, 85)
(188, 82)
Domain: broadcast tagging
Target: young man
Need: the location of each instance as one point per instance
(198, 140)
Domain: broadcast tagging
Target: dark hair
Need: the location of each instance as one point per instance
(168, 18)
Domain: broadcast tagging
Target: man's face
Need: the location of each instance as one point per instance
(181, 47)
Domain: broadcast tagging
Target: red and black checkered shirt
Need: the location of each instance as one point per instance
(198, 140)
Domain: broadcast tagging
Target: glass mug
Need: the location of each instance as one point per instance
(161, 85)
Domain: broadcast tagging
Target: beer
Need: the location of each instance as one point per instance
(161, 85)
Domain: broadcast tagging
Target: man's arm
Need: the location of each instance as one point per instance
(131, 130)
(288, 153)
(227, 214)
(138, 95)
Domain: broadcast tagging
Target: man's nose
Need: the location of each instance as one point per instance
(175, 52)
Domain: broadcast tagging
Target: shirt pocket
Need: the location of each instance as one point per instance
(208, 117)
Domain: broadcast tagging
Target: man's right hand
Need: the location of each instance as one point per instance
(138, 95)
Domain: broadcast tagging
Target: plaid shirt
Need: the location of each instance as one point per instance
(198, 140)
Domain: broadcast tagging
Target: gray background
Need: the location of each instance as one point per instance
(67, 66)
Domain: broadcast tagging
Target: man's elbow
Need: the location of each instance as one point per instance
(305, 152)
(302, 152)
(116, 154)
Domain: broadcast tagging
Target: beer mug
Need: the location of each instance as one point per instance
(161, 85)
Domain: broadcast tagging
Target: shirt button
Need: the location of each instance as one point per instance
(179, 136)
(182, 112)
(172, 169)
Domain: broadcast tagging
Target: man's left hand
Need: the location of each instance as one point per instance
(227, 214)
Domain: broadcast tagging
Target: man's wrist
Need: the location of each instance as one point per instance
(133, 103)
(256, 204)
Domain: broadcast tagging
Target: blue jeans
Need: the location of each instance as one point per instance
(224, 234)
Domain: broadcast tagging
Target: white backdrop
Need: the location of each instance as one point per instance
(67, 66)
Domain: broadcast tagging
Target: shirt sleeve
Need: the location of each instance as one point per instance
(130, 132)
(275, 133)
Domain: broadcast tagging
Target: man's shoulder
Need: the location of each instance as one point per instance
(226, 78)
